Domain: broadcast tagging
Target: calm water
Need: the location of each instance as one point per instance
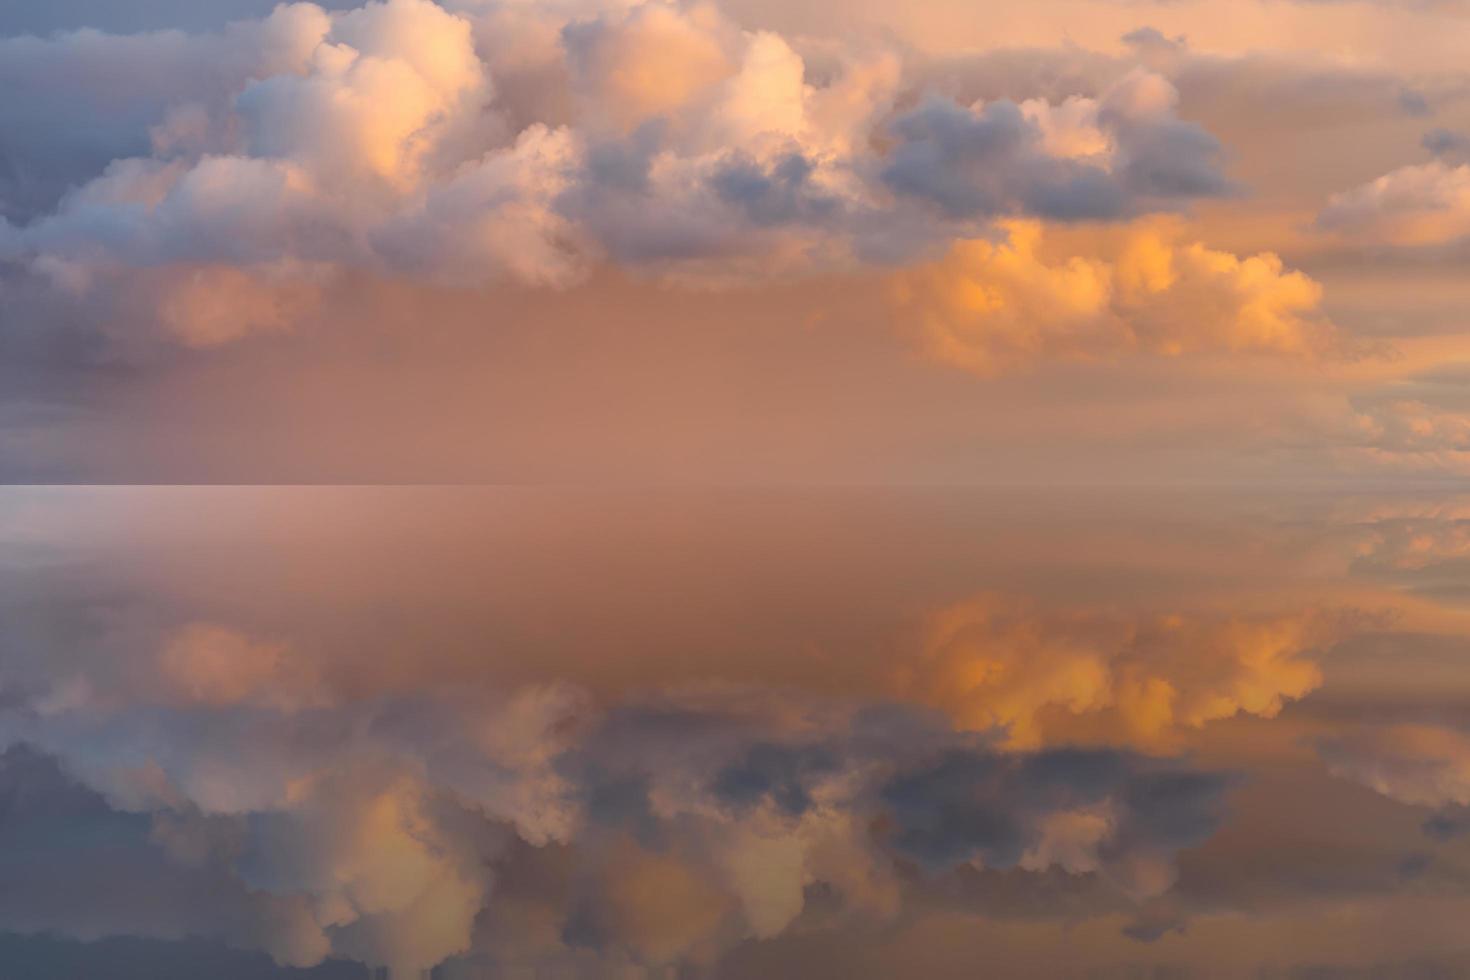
(848, 733)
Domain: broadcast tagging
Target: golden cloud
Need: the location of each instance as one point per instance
(989, 306)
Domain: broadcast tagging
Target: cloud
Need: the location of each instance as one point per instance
(650, 59)
(496, 215)
(209, 305)
(1102, 158)
(993, 663)
(1419, 549)
(379, 87)
(1446, 143)
(207, 665)
(389, 829)
(63, 841)
(990, 306)
(1406, 425)
(1420, 205)
(85, 99)
(401, 139)
(1422, 420)
(1415, 764)
(1097, 811)
(382, 872)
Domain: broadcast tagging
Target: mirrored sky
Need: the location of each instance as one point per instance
(843, 732)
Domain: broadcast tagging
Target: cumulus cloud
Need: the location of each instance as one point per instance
(1421, 205)
(495, 215)
(401, 138)
(649, 60)
(84, 99)
(378, 87)
(1109, 157)
(992, 305)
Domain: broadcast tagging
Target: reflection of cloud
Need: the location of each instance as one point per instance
(1419, 546)
(208, 665)
(1095, 813)
(988, 306)
(387, 879)
(75, 866)
(1409, 426)
(660, 830)
(994, 663)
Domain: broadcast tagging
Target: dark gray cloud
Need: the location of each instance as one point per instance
(992, 161)
(775, 772)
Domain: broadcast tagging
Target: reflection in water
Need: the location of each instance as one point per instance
(821, 733)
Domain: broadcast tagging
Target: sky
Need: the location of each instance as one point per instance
(615, 243)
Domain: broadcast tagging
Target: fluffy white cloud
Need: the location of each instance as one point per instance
(404, 138)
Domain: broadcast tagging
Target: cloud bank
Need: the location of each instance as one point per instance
(238, 170)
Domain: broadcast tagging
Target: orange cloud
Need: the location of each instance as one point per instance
(992, 306)
(654, 58)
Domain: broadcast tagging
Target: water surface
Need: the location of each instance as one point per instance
(477, 732)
